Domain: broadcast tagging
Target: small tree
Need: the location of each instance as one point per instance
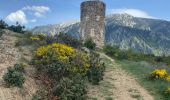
(90, 44)
(3, 25)
(17, 28)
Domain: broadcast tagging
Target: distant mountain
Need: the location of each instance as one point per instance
(150, 36)
(71, 28)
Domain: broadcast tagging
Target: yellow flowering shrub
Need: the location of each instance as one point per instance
(167, 78)
(34, 38)
(159, 73)
(77, 61)
(80, 63)
(57, 51)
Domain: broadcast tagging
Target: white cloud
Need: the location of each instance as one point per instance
(33, 20)
(133, 12)
(37, 14)
(41, 9)
(38, 11)
(18, 16)
(21, 15)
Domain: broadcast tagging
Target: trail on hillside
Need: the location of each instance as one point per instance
(117, 85)
(10, 55)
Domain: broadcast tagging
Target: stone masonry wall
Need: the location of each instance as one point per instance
(92, 21)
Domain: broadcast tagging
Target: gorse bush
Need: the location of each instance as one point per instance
(14, 76)
(160, 74)
(56, 51)
(161, 77)
(167, 78)
(65, 70)
(80, 63)
(71, 88)
(75, 60)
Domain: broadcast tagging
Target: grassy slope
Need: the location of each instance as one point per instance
(117, 84)
(140, 70)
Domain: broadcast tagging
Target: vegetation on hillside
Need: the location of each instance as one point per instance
(16, 28)
(62, 66)
(65, 69)
(151, 71)
(118, 54)
(15, 76)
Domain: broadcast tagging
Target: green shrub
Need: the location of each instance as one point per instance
(14, 77)
(90, 44)
(57, 70)
(95, 74)
(116, 53)
(71, 88)
(19, 67)
(64, 38)
(166, 93)
(97, 68)
(40, 95)
(49, 39)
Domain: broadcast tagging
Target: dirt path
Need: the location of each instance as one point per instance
(10, 55)
(117, 85)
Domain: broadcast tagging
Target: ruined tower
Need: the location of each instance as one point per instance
(92, 21)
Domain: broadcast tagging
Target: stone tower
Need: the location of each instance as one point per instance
(92, 21)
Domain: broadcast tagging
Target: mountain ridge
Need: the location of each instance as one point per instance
(150, 36)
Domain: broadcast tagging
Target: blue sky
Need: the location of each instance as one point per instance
(41, 12)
